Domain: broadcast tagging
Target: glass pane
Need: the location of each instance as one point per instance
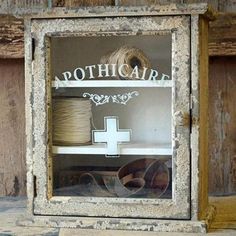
(112, 116)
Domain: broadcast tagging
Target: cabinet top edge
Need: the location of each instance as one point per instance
(119, 11)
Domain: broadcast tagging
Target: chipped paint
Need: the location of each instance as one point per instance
(115, 224)
(180, 205)
(37, 134)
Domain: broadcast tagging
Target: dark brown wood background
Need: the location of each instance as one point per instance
(222, 127)
(222, 101)
(12, 122)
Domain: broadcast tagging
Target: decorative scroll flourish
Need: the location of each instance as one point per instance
(97, 99)
(123, 98)
(117, 98)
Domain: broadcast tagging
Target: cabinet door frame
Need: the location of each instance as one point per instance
(39, 83)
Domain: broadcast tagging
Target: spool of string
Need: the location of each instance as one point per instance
(71, 121)
(129, 55)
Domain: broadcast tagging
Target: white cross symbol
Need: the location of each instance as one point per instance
(112, 135)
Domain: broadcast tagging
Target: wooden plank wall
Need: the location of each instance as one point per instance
(9, 6)
(12, 141)
(222, 31)
(222, 130)
(222, 110)
(222, 37)
(11, 37)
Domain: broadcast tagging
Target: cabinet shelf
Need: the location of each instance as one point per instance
(112, 83)
(125, 149)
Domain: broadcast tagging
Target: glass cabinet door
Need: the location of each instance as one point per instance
(117, 117)
(112, 129)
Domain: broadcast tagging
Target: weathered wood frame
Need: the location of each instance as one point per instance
(35, 101)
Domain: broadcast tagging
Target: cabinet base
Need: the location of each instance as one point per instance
(115, 224)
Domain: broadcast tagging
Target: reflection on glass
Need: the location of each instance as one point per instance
(112, 116)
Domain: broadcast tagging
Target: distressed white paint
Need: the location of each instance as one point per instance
(178, 207)
(125, 149)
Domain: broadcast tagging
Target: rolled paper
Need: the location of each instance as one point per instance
(142, 177)
(131, 62)
(94, 185)
(145, 177)
(71, 118)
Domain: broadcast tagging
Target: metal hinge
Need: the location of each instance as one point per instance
(191, 121)
(35, 186)
(33, 48)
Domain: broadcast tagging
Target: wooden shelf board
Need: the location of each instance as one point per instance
(112, 83)
(125, 149)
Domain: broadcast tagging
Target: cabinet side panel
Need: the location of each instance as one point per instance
(199, 142)
(195, 115)
(203, 164)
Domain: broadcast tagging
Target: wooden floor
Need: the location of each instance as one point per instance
(13, 209)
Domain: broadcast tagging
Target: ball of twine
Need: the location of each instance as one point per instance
(129, 55)
(71, 121)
